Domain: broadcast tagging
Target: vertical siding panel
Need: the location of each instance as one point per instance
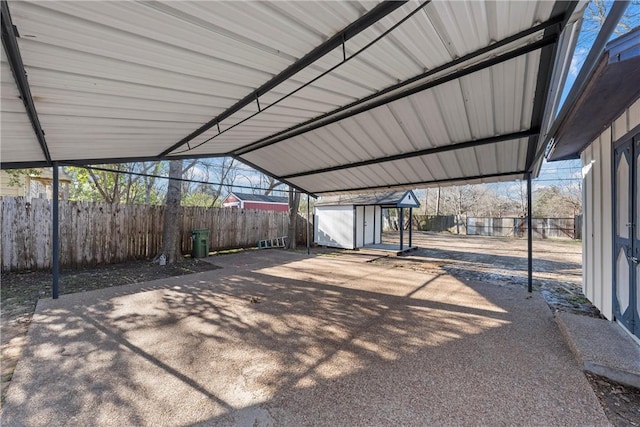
(606, 285)
(619, 127)
(596, 219)
(587, 253)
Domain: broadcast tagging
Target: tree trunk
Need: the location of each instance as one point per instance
(171, 249)
(294, 203)
(387, 216)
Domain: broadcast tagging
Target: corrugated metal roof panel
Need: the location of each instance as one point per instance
(16, 127)
(399, 127)
(137, 77)
(499, 158)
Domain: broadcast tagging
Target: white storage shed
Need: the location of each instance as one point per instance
(603, 129)
(355, 221)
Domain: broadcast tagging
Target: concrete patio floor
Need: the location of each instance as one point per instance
(280, 338)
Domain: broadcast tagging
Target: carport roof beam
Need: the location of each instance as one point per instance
(267, 173)
(437, 181)
(349, 110)
(10, 43)
(425, 152)
(543, 84)
(365, 21)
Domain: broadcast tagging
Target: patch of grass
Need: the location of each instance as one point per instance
(561, 290)
(577, 299)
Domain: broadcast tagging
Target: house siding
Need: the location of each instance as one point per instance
(266, 206)
(597, 243)
(7, 190)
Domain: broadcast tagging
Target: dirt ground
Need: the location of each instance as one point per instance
(19, 294)
(502, 262)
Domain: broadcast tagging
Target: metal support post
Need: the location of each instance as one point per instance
(55, 233)
(529, 235)
(410, 226)
(308, 227)
(401, 222)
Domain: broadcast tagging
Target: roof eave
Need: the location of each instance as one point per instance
(613, 86)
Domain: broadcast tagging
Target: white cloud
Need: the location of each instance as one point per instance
(199, 173)
(576, 62)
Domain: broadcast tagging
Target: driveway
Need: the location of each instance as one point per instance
(282, 338)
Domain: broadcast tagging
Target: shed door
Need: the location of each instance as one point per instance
(369, 224)
(627, 234)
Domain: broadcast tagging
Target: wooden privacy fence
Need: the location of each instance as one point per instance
(102, 233)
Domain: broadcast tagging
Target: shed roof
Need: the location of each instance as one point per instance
(248, 197)
(326, 96)
(613, 86)
(399, 199)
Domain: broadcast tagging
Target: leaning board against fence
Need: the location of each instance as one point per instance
(102, 233)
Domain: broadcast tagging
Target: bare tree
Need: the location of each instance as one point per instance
(269, 184)
(150, 181)
(294, 204)
(596, 13)
(116, 183)
(220, 173)
(171, 244)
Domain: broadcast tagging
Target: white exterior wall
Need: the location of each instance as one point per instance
(334, 226)
(359, 227)
(597, 232)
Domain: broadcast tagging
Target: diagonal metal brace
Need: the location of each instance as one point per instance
(10, 43)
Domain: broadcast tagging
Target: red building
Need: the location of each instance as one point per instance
(256, 201)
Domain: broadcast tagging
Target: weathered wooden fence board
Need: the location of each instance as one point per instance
(101, 233)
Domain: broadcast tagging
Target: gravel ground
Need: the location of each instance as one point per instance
(557, 276)
(497, 261)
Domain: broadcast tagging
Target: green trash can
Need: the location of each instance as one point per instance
(200, 243)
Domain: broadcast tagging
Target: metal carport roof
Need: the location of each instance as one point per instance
(327, 96)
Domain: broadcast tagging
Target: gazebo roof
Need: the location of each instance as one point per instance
(396, 199)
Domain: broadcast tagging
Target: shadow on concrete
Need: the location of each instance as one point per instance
(293, 340)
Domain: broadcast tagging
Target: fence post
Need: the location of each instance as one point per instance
(577, 227)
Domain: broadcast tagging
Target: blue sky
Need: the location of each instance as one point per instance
(569, 171)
